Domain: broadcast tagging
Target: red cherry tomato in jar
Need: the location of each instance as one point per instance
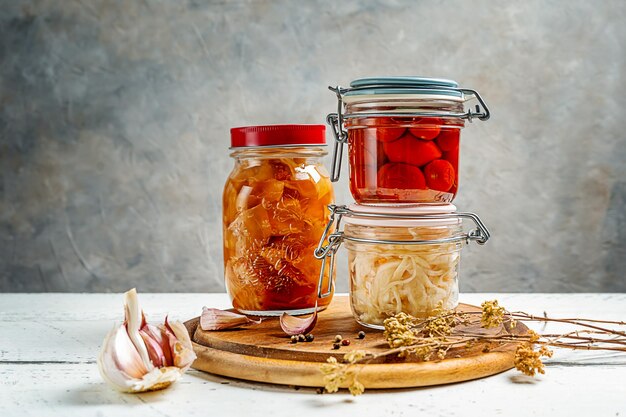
(412, 151)
(429, 131)
(448, 140)
(439, 175)
(401, 176)
(389, 134)
(453, 158)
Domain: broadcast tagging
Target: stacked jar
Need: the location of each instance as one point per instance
(403, 235)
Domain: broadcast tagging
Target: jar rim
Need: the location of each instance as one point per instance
(405, 216)
(288, 146)
(370, 96)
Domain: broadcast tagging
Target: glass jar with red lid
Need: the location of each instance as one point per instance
(274, 213)
(403, 137)
(400, 259)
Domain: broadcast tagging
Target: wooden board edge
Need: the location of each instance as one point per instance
(372, 376)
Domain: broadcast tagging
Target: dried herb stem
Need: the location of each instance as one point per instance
(521, 316)
(433, 337)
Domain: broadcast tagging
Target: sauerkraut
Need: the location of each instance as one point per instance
(389, 279)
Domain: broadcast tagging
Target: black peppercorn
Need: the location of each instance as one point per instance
(301, 338)
(361, 334)
(294, 339)
(309, 337)
(336, 345)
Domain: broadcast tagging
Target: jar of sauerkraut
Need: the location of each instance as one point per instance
(274, 213)
(401, 259)
(403, 136)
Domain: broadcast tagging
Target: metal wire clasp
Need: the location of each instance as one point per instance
(479, 235)
(322, 252)
(335, 120)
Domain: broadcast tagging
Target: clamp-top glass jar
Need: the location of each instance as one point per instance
(403, 138)
(400, 260)
(274, 213)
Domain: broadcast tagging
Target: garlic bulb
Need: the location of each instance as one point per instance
(137, 356)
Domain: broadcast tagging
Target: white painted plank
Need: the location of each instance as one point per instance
(38, 329)
(71, 327)
(57, 306)
(77, 390)
(64, 307)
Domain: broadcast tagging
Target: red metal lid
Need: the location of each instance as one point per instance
(277, 135)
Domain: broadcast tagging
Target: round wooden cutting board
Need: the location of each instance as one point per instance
(264, 353)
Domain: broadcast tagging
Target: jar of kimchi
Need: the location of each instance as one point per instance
(274, 213)
(403, 138)
(401, 259)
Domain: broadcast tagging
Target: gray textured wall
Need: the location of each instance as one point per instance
(114, 122)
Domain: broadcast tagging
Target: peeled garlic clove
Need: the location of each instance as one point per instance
(216, 319)
(296, 325)
(138, 357)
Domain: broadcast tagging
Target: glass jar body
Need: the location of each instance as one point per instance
(274, 213)
(387, 279)
(400, 159)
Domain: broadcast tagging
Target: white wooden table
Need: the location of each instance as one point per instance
(48, 345)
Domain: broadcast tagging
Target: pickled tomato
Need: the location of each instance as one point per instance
(439, 175)
(410, 150)
(401, 176)
(426, 128)
(448, 140)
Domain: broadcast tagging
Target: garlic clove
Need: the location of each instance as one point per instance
(159, 336)
(133, 321)
(182, 351)
(216, 319)
(110, 366)
(125, 354)
(296, 325)
(155, 350)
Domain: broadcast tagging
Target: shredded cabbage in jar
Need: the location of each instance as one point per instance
(389, 279)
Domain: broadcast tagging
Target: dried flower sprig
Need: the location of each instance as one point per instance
(433, 337)
(492, 315)
(336, 374)
(528, 360)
